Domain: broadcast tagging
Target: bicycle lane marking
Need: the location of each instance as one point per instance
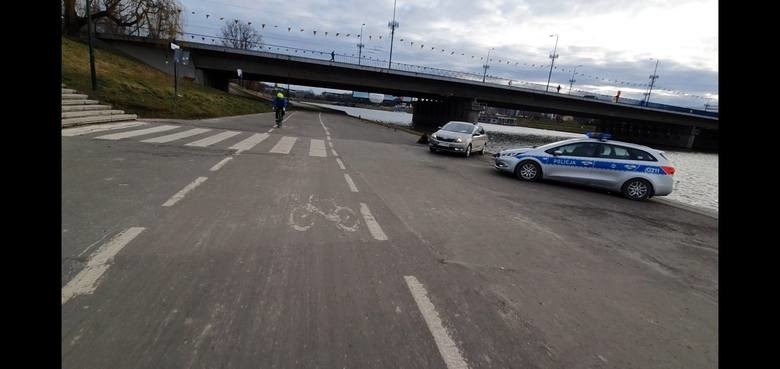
(303, 217)
(373, 225)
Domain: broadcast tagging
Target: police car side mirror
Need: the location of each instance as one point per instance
(557, 152)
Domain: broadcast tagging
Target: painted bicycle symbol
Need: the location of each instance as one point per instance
(303, 217)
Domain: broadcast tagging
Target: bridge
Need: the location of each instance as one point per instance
(440, 97)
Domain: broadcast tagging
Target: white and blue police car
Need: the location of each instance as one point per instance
(637, 171)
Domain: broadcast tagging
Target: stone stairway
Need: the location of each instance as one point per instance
(78, 110)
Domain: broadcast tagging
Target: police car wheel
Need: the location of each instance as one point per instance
(528, 171)
(467, 153)
(637, 189)
(432, 149)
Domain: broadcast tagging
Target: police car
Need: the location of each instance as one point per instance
(637, 171)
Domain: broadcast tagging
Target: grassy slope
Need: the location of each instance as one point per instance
(130, 85)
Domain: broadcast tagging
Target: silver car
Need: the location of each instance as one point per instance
(459, 137)
(637, 171)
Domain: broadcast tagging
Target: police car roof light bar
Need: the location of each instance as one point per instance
(598, 135)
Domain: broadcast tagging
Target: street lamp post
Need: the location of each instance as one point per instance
(486, 66)
(93, 75)
(553, 56)
(653, 77)
(360, 44)
(572, 80)
(393, 25)
(707, 104)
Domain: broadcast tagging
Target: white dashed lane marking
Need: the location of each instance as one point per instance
(180, 195)
(220, 164)
(373, 225)
(87, 280)
(351, 184)
(447, 348)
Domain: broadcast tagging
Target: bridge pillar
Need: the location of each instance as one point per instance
(428, 114)
(691, 137)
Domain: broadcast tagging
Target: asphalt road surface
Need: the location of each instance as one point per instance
(335, 243)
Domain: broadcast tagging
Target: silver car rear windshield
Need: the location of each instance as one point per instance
(458, 127)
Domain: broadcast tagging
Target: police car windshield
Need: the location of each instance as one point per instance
(458, 127)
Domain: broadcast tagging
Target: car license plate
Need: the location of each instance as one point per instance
(444, 144)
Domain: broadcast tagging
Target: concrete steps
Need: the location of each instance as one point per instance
(69, 108)
(78, 110)
(79, 102)
(90, 113)
(72, 122)
(74, 96)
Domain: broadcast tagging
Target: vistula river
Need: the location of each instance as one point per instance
(696, 176)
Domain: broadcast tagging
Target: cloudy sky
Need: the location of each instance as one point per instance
(616, 42)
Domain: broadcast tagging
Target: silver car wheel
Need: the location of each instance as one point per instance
(528, 171)
(637, 189)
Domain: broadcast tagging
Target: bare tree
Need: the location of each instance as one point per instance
(163, 21)
(154, 18)
(240, 35)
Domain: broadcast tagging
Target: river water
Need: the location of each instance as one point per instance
(696, 176)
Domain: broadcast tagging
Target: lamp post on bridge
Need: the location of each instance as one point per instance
(653, 77)
(360, 44)
(553, 56)
(486, 66)
(393, 25)
(572, 80)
